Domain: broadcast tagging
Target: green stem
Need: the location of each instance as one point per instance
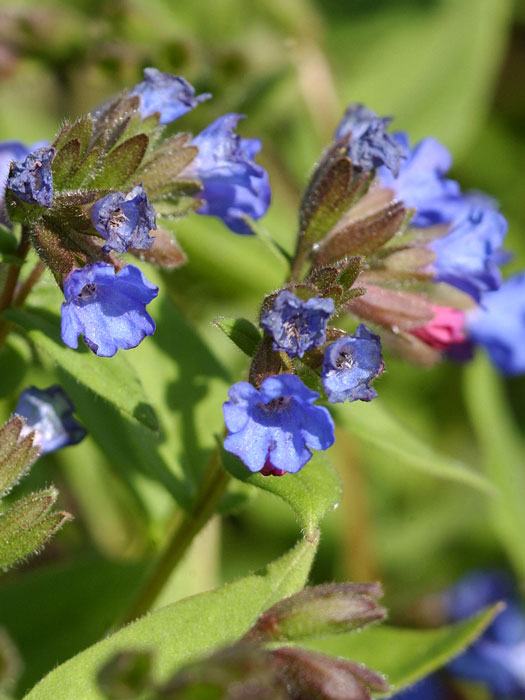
(13, 273)
(187, 526)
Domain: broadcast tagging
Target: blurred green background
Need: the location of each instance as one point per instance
(445, 68)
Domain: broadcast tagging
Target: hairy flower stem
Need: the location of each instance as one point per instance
(13, 273)
(186, 527)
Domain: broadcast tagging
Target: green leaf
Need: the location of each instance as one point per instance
(405, 656)
(169, 160)
(27, 525)
(121, 163)
(184, 630)
(35, 603)
(310, 493)
(112, 380)
(66, 161)
(242, 332)
(16, 454)
(503, 454)
(375, 425)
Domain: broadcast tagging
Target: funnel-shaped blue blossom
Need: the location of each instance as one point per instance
(106, 308)
(497, 658)
(49, 415)
(350, 365)
(498, 325)
(234, 185)
(421, 183)
(168, 95)
(467, 257)
(31, 179)
(276, 427)
(124, 220)
(297, 326)
(370, 145)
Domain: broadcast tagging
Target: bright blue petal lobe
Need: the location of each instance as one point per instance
(234, 185)
(498, 325)
(276, 427)
(350, 364)
(469, 255)
(49, 415)
(168, 95)
(108, 309)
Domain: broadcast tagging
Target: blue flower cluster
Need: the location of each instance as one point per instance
(463, 233)
(105, 302)
(274, 428)
(496, 661)
(48, 414)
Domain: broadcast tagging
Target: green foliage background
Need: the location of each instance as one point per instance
(413, 513)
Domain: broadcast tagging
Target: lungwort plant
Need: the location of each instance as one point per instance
(390, 257)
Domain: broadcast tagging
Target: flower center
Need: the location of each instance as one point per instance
(278, 404)
(344, 360)
(117, 218)
(87, 292)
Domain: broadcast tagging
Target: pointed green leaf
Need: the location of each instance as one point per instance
(310, 493)
(242, 332)
(169, 160)
(503, 454)
(65, 162)
(113, 380)
(184, 630)
(405, 656)
(121, 163)
(374, 424)
(27, 525)
(16, 454)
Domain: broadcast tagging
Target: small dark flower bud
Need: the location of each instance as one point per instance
(126, 675)
(325, 609)
(308, 674)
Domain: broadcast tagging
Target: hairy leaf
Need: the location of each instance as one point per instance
(184, 630)
(27, 525)
(374, 424)
(242, 332)
(503, 455)
(16, 454)
(121, 163)
(405, 656)
(113, 381)
(310, 493)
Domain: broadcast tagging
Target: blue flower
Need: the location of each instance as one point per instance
(297, 326)
(497, 658)
(107, 308)
(350, 364)
(421, 183)
(9, 151)
(370, 145)
(276, 426)
(169, 95)
(234, 185)
(49, 415)
(124, 220)
(498, 325)
(31, 179)
(467, 257)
